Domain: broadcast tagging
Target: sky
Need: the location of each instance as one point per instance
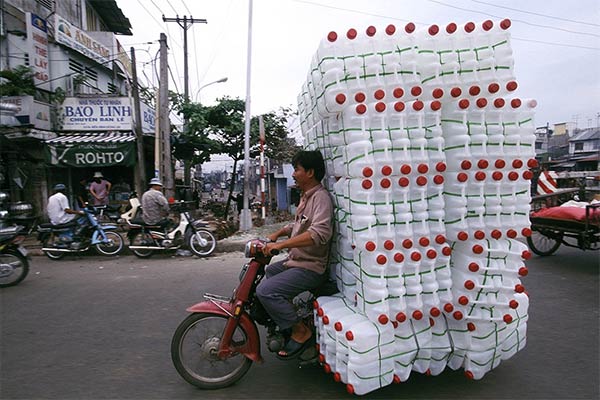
(556, 45)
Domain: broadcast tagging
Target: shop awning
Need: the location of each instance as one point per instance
(91, 150)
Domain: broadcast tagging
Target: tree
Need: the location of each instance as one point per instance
(17, 81)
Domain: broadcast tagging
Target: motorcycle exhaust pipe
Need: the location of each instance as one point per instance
(149, 248)
(58, 250)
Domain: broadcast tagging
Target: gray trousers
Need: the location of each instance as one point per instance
(280, 285)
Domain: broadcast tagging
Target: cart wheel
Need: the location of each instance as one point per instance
(545, 243)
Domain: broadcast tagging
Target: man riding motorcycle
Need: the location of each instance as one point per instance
(304, 268)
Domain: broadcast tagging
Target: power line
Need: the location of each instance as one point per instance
(173, 8)
(186, 7)
(514, 19)
(173, 79)
(534, 13)
(557, 44)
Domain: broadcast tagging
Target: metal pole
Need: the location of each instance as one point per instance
(140, 171)
(167, 165)
(261, 128)
(245, 215)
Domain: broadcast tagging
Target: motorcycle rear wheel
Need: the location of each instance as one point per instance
(15, 261)
(53, 255)
(142, 239)
(202, 249)
(114, 245)
(194, 352)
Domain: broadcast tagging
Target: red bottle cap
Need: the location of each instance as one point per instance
(513, 304)
(398, 92)
(487, 25)
(338, 326)
(532, 163)
(523, 271)
(499, 103)
(367, 184)
(463, 300)
(436, 105)
(455, 92)
(397, 379)
(468, 374)
(457, 315)
(407, 243)
(519, 288)
(440, 239)
(469, 27)
(497, 175)
(505, 24)
(417, 315)
(527, 175)
(517, 164)
(390, 29)
(448, 307)
(438, 179)
(462, 177)
(400, 317)
(424, 241)
(421, 181)
(383, 319)
(388, 244)
(474, 90)
(496, 234)
(381, 259)
(479, 235)
(349, 336)
(340, 98)
(471, 326)
(451, 27)
(435, 312)
(511, 233)
(361, 109)
(446, 251)
(526, 255)
(399, 257)
(379, 94)
(403, 182)
(433, 30)
(511, 87)
(332, 36)
(500, 163)
(469, 285)
(415, 256)
(480, 176)
(370, 246)
(385, 183)
(380, 107)
(423, 168)
(462, 236)
(337, 377)
(360, 97)
(526, 232)
(431, 254)
(351, 34)
(386, 170)
(416, 91)
(463, 104)
(437, 93)
(399, 106)
(513, 176)
(371, 30)
(473, 267)
(494, 88)
(320, 312)
(410, 27)
(316, 305)
(367, 172)
(325, 320)
(481, 102)
(418, 105)
(349, 388)
(466, 164)
(507, 318)
(478, 249)
(405, 169)
(515, 103)
(440, 167)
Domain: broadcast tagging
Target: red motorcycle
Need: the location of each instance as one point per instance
(216, 345)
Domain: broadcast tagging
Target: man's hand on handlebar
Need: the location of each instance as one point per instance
(271, 248)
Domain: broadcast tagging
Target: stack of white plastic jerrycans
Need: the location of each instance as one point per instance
(428, 149)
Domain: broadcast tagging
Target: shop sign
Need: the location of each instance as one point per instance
(30, 112)
(96, 114)
(73, 37)
(148, 118)
(37, 41)
(90, 154)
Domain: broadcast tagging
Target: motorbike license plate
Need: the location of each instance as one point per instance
(23, 251)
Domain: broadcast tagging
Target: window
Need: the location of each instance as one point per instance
(49, 4)
(113, 89)
(579, 146)
(538, 145)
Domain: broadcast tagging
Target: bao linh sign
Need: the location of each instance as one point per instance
(97, 114)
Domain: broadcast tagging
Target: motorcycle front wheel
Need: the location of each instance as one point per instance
(194, 349)
(14, 267)
(142, 239)
(53, 255)
(202, 243)
(113, 245)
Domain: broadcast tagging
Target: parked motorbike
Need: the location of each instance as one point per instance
(79, 235)
(14, 258)
(108, 213)
(146, 239)
(216, 345)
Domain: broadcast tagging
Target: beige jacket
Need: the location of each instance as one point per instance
(315, 215)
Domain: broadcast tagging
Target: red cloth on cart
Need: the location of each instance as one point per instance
(569, 213)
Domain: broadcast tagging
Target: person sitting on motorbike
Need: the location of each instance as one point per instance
(304, 268)
(155, 207)
(59, 211)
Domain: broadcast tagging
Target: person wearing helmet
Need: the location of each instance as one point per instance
(59, 211)
(155, 207)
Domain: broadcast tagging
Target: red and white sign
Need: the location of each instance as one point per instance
(547, 182)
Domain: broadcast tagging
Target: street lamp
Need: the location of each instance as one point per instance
(208, 84)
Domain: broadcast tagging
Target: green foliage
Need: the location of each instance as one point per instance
(17, 82)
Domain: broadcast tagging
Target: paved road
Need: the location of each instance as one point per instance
(100, 328)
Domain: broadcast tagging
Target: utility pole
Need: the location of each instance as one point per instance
(165, 124)
(246, 214)
(185, 24)
(140, 171)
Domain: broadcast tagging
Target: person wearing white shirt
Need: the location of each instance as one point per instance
(59, 211)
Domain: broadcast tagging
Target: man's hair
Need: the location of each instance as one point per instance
(310, 160)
